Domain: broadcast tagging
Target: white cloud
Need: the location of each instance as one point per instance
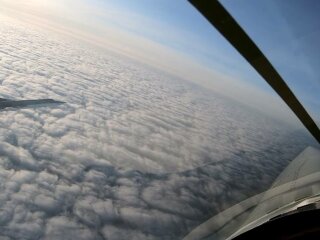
(134, 153)
(66, 228)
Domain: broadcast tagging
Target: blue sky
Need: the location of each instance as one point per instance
(177, 25)
(287, 33)
(173, 35)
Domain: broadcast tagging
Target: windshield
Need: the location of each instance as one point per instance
(134, 119)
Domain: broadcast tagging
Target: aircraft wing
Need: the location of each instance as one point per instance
(297, 186)
(9, 103)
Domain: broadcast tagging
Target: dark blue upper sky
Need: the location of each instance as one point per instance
(288, 32)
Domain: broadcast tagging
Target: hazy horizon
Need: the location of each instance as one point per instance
(146, 36)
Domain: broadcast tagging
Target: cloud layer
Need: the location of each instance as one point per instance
(135, 153)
